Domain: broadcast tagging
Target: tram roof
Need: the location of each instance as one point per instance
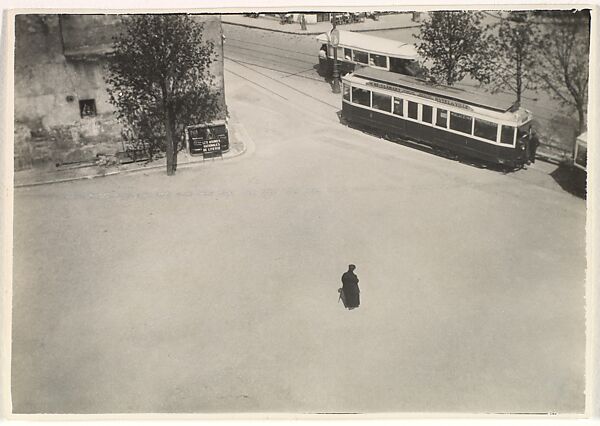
(374, 44)
(494, 102)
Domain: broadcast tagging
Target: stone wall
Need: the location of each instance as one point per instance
(60, 62)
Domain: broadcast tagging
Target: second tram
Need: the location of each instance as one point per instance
(476, 125)
(357, 49)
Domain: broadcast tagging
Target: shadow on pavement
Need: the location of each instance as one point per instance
(571, 179)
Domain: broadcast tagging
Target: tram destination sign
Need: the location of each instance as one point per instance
(420, 95)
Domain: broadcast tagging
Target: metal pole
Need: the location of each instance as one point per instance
(336, 73)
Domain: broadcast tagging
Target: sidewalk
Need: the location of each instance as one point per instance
(49, 175)
(385, 22)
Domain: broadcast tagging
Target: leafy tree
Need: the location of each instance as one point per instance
(159, 80)
(515, 52)
(454, 42)
(562, 46)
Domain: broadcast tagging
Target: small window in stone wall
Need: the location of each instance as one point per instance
(87, 107)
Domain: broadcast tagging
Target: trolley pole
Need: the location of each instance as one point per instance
(335, 41)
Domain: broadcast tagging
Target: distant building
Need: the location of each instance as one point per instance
(62, 112)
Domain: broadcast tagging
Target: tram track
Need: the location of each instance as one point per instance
(270, 46)
(272, 61)
(286, 72)
(276, 80)
(400, 141)
(274, 52)
(295, 59)
(276, 60)
(255, 83)
(278, 57)
(282, 59)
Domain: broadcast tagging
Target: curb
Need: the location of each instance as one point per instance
(124, 172)
(294, 32)
(386, 29)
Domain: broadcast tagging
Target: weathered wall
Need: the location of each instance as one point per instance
(60, 60)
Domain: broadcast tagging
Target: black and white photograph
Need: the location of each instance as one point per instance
(300, 212)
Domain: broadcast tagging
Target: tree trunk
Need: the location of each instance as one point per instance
(581, 113)
(171, 122)
(449, 79)
(170, 145)
(169, 126)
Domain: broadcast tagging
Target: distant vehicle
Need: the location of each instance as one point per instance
(580, 162)
(358, 49)
(580, 153)
(477, 125)
(207, 138)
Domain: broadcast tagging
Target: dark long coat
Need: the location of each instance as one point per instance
(351, 290)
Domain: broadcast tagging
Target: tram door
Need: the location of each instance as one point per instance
(398, 109)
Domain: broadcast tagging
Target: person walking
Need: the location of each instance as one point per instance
(323, 60)
(350, 288)
(534, 143)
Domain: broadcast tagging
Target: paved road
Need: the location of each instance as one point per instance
(216, 290)
(287, 53)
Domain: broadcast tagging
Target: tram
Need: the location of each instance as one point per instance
(207, 138)
(475, 125)
(580, 154)
(358, 49)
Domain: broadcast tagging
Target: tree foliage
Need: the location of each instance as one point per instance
(454, 43)
(159, 80)
(562, 57)
(514, 59)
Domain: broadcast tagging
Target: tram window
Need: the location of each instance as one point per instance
(360, 56)
(413, 109)
(486, 129)
(347, 54)
(442, 118)
(361, 96)
(378, 60)
(461, 122)
(427, 114)
(507, 135)
(398, 106)
(346, 91)
(399, 66)
(382, 102)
